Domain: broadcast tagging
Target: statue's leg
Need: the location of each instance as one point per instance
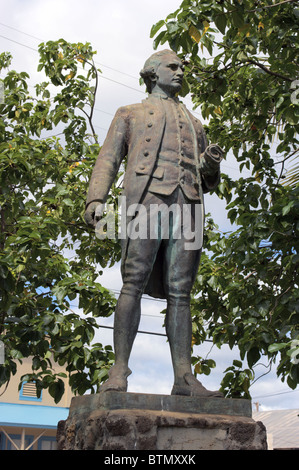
(140, 257)
(180, 268)
(179, 332)
(126, 322)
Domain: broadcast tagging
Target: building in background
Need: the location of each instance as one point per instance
(282, 428)
(26, 421)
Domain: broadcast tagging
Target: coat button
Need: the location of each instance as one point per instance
(148, 139)
(150, 124)
(146, 154)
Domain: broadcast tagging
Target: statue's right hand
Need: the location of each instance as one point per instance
(93, 213)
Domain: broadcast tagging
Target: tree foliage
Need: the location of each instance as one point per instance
(48, 257)
(246, 293)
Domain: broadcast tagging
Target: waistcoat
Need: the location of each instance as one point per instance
(176, 165)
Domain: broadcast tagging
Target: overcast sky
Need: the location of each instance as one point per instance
(119, 30)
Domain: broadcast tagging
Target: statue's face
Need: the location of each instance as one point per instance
(169, 74)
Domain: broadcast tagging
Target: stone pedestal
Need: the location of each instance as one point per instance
(130, 421)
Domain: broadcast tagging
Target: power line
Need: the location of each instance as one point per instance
(116, 291)
(115, 70)
(149, 333)
(19, 43)
(102, 128)
(207, 341)
(40, 39)
(139, 331)
(100, 75)
(275, 394)
(102, 111)
(98, 63)
(123, 84)
(22, 32)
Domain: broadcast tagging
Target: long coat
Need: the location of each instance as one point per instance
(136, 132)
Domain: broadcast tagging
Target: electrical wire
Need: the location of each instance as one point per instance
(40, 39)
(105, 112)
(19, 43)
(100, 76)
(275, 394)
(139, 331)
(98, 63)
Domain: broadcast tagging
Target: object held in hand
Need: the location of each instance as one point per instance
(215, 152)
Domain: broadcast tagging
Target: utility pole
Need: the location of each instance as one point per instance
(257, 405)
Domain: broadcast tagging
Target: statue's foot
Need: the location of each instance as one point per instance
(190, 386)
(117, 380)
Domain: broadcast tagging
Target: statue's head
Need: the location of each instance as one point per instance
(157, 66)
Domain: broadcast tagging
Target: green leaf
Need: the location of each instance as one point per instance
(160, 39)
(155, 28)
(220, 22)
(60, 293)
(237, 19)
(276, 347)
(185, 88)
(253, 355)
(287, 208)
(237, 363)
(56, 390)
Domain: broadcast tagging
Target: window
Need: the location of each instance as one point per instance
(28, 392)
(47, 443)
(6, 444)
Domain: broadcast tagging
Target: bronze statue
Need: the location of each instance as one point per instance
(169, 163)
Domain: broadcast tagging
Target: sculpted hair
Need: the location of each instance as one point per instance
(152, 63)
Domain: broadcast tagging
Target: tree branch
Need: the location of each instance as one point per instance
(94, 96)
(258, 8)
(277, 4)
(89, 117)
(286, 158)
(275, 74)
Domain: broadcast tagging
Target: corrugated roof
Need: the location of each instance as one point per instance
(35, 416)
(282, 427)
